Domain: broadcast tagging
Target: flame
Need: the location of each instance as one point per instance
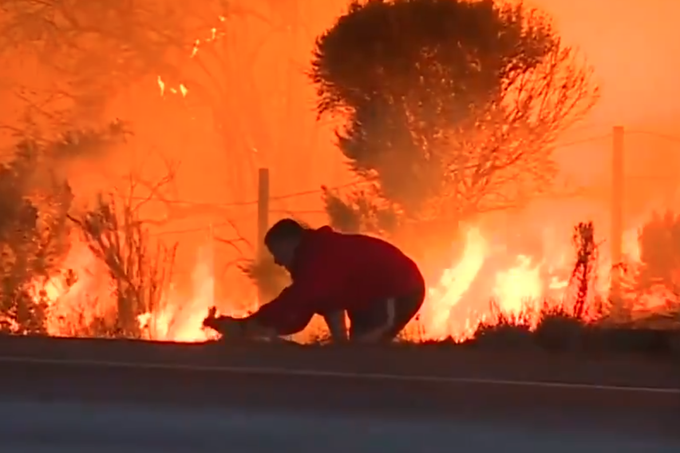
(453, 284)
(519, 286)
(213, 35)
(78, 295)
(513, 288)
(517, 290)
(181, 88)
(161, 85)
(179, 318)
(452, 308)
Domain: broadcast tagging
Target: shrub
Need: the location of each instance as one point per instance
(559, 328)
(504, 330)
(140, 272)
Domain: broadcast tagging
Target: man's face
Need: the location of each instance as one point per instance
(283, 252)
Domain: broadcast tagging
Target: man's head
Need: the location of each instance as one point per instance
(282, 240)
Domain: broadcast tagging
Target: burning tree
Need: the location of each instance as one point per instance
(450, 108)
(140, 271)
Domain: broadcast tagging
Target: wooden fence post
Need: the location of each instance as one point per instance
(616, 232)
(262, 219)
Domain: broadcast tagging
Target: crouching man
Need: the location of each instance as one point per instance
(376, 284)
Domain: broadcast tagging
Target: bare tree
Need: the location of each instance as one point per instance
(140, 267)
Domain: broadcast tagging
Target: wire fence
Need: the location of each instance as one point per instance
(600, 138)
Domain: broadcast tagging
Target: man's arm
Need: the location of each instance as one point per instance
(336, 325)
(288, 313)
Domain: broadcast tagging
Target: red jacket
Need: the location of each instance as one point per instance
(336, 271)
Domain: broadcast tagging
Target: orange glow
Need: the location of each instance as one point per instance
(516, 288)
(269, 114)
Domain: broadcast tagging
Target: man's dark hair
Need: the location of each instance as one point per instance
(282, 230)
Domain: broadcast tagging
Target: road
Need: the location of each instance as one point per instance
(165, 398)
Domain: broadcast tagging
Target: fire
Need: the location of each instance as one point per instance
(179, 318)
(73, 306)
(518, 286)
(213, 35)
(514, 289)
(454, 307)
(453, 285)
(78, 295)
(181, 89)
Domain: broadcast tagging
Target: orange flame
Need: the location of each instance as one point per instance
(452, 308)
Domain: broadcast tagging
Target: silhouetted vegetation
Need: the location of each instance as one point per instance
(581, 321)
(34, 229)
(450, 108)
(141, 272)
(659, 241)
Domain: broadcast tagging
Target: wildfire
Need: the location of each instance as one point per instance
(518, 286)
(75, 303)
(78, 295)
(454, 306)
(452, 286)
(514, 289)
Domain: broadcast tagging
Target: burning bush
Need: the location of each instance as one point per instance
(140, 272)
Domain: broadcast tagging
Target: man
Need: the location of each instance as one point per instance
(377, 285)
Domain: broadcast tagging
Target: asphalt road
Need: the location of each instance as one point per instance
(75, 394)
(51, 428)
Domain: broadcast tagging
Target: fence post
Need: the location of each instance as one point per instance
(262, 219)
(617, 208)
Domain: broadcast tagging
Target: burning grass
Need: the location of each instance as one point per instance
(571, 316)
(581, 321)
